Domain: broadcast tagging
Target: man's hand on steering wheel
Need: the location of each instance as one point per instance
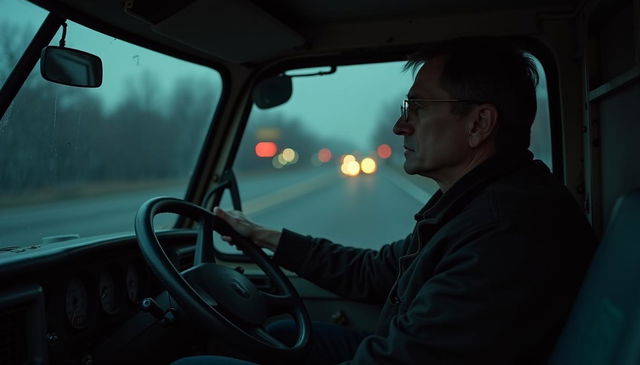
(261, 236)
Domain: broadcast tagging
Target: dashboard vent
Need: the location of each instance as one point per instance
(13, 336)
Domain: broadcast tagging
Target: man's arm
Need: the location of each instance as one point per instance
(358, 274)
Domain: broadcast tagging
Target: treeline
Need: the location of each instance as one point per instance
(54, 135)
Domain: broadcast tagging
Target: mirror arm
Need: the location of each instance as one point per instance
(332, 70)
(64, 35)
(235, 192)
(228, 181)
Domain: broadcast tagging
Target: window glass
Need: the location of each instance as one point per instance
(19, 22)
(290, 165)
(541, 128)
(81, 161)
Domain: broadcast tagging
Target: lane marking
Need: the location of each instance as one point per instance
(283, 195)
(408, 187)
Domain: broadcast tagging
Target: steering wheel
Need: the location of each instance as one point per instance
(221, 299)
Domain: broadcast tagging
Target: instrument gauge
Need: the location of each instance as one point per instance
(77, 304)
(107, 293)
(133, 283)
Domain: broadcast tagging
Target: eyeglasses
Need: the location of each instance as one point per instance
(406, 104)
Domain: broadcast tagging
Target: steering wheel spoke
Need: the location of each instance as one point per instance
(261, 334)
(204, 243)
(278, 304)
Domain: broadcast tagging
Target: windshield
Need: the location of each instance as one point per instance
(78, 161)
(328, 164)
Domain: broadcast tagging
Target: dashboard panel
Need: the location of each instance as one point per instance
(68, 302)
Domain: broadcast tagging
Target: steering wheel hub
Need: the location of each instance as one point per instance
(234, 294)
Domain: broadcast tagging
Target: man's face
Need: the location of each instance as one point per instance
(435, 140)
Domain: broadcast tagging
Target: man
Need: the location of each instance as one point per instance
(497, 255)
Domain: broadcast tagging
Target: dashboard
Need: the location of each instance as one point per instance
(78, 301)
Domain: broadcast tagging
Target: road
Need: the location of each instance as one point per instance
(363, 211)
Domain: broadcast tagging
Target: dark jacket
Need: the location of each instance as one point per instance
(488, 275)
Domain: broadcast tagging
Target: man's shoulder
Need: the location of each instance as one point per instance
(528, 210)
(529, 202)
(531, 185)
(530, 192)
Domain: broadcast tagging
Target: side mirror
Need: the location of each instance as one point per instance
(272, 92)
(70, 67)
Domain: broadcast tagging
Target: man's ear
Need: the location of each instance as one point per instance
(483, 124)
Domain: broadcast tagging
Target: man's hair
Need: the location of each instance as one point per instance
(491, 71)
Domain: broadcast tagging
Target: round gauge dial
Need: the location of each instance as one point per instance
(77, 304)
(133, 283)
(107, 293)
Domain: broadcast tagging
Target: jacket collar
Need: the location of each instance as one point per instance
(441, 205)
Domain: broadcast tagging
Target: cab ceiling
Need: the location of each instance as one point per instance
(255, 32)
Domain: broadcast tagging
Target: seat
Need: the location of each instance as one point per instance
(604, 325)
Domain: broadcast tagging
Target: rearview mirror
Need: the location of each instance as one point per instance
(70, 67)
(272, 92)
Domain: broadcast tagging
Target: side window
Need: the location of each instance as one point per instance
(80, 161)
(327, 163)
(541, 128)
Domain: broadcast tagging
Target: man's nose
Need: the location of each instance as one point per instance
(402, 128)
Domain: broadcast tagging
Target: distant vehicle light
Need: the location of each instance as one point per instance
(289, 155)
(368, 165)
(281, 159)
(324, 155)
(350, 168)
(384, 151)
(275, 161)
(266, 149)
(348, 158)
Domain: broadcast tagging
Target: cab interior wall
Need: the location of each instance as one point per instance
(560, 35)
(613, 69)
(620, 127)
